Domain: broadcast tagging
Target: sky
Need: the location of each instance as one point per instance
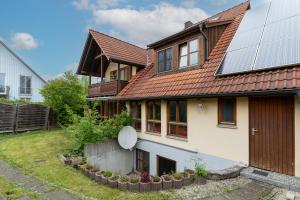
(49, 35)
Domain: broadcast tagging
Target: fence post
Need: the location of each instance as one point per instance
(15, 124)
(47, 118)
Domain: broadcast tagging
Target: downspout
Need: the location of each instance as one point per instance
(206, 40)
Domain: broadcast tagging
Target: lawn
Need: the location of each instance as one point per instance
(36, 154)
(10, 191)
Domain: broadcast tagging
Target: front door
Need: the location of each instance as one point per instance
(272, 133)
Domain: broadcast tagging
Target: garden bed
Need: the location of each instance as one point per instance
(133, 182)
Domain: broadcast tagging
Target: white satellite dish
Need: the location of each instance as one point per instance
(127, 137)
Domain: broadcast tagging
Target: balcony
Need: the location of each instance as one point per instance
(111, 88)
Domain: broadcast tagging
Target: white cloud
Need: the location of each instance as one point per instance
(72, 67)
(189, 3)
(23, 41)
(103, 4)
(219, 2)
(143, 26)
(1, 39)
(81, 4)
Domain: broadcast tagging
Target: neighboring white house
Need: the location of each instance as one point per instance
(17, 79)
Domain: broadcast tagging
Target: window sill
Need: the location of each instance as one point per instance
(230, 126)
(153, 133)
(177, 138)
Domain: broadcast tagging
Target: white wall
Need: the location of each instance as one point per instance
(13, 69)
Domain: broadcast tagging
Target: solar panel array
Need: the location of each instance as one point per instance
(268, 37)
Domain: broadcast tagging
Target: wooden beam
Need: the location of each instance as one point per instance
(88, 51)
(118, 78)
(99, 56)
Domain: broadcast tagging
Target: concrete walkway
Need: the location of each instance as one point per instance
(45, 190)
(252, 191)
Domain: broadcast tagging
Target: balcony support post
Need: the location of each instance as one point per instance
(118, 78)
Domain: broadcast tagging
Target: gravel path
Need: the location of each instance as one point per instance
(45, 190)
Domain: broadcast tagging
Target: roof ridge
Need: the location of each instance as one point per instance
(248, 1)
(117, 39)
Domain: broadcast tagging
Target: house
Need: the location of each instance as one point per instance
(224, 91)
(18, 81)
(110, 63)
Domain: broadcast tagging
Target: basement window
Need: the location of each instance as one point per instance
(227, 111)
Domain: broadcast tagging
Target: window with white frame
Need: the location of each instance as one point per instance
(25, 85)
(189, 53)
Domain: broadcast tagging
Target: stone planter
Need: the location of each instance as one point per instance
(156, 186)
(104, 180)
(86, 172)
(200, 180)
(177, 183)
(92, 174)
(98, 177)
(67, 161)
(122, 185)
(186, 181)
(112, 183)
(145, 187)
(134, 187)
(167, 184)
(191, 174)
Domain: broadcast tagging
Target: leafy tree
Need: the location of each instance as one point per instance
(66, 96)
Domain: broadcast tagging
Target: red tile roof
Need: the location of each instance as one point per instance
(202, 82)
(117, 49)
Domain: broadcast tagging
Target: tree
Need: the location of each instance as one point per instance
(66, 96)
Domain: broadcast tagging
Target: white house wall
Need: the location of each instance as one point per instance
(13, 69)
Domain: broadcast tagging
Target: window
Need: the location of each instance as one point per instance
(113, 75)
(142, 160)
(2, 82)
(25, 84)
(188, 54)
(165, 60)
(136, 113)
(177, 118)
(227, 111)
(153, 116)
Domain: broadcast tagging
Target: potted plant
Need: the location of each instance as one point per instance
(123, 182)
(98, 176)
(186, 178)
(167, 182)
(105, 176)
(88, 169)
(145, 184)
(156, 183)
(134, 183)
(191, 174)
(201, 174)
(93, 172)
(177, 180)
(113, 181)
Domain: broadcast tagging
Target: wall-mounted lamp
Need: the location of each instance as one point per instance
(201, 106)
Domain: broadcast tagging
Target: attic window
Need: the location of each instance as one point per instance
(188, 54)
(164, 60)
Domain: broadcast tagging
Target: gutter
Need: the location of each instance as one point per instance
(206, 40)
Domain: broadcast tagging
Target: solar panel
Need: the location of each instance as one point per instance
(268, 36)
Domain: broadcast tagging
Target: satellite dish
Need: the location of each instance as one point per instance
(127, 137)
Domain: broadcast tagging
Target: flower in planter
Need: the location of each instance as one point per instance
(156, 183)
(88, 167)
(113, 181)
(167, 181)
(123, 182)
(201, 174)
(107, 174)
(134, 183)
(178, 180)
(145, 185)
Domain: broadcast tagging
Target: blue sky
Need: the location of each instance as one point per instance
(49, 35)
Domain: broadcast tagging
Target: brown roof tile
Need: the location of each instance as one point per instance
(202, 82)
(120, 50)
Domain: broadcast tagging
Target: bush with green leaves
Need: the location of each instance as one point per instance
(89, 129)
(65, 95)
(107, 174)
(200, 170)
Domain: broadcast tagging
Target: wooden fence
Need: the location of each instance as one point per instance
(24, 117)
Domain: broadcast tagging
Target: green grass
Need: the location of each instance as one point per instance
(36, 154)
(10, 191)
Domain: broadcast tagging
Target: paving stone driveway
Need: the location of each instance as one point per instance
(45, 190)
(252, 191)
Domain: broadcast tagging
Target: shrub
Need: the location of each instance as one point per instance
(177, 176)
(200, 170)
(145, 178)
(167, 177)
(156, 178)
(134, 179)
(107, 174)
(124, 179)
(65, 95)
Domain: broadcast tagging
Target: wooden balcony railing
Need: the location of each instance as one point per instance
(111, 88)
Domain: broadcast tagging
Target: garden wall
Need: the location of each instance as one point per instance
(16, 118)
(109, 156)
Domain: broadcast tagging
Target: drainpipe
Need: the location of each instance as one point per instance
(206, 40)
